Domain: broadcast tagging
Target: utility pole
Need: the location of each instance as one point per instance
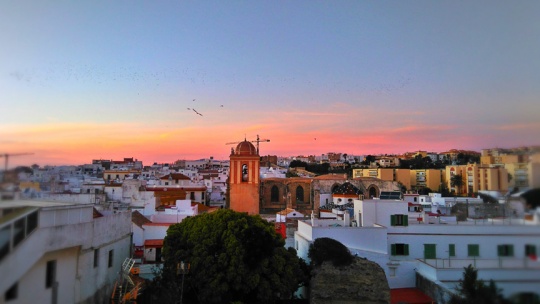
(182, 268)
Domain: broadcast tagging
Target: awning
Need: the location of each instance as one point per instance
(153, 243)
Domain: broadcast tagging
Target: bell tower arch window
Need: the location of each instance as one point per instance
(245, 173)
(299, 194)
(274, 194)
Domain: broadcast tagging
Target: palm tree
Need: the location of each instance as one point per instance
(457, 181)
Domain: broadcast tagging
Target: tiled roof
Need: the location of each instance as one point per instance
(138, 219)
(409, 295)
(97, 213)
(153, 243)
(203, 208)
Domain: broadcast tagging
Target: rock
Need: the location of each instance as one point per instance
(361, 282)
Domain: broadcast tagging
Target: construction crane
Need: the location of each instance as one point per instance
(258, 140)
(7, 156)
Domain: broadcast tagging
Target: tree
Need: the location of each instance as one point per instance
(327, 249)
(298, 163)
(473, 291)
(443, 190)
(233, 257)
(368, 160)
(532, 197)
(290, 173)
(457, 181)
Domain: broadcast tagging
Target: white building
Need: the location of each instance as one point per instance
(58, 252)
(436, 248)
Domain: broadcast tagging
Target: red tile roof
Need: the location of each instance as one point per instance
(96, 213)
(138, 219)
(409, 295)
(153, 243)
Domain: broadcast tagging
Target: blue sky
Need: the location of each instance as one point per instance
(102, 79)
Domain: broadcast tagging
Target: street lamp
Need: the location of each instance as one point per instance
(182, 268)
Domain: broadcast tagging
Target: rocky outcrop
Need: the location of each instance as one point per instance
(361, 282)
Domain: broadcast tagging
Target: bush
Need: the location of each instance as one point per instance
(327, 249)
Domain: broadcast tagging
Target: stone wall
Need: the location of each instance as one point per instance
(440, 294)
(362, 282)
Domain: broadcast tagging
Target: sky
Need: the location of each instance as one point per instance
(83, 80)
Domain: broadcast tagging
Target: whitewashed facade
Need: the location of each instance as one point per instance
(437, 248)
(60, 253)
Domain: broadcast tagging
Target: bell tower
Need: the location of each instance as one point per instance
(244, 178)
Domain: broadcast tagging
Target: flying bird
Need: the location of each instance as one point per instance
(197, 112)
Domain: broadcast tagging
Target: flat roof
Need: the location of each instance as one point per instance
(33, 203)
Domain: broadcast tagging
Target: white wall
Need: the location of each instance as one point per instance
(68, 233)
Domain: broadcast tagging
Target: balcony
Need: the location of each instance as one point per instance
(500, 263)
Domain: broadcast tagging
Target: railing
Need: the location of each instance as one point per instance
(501, 263)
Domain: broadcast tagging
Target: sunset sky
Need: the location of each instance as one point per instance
(83, 80)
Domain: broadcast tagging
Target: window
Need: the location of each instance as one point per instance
(452, 250)
(530, 250)
(399, 220)
(111, 256)
(50, 274)
(399, 249)
(4, 241)
(505, 250)
(245, 173)
(299, 194)
(473, 250)
(192, 195)
(11, 293)
(274, 194)
(430, 251)
(19, 231)
(96, 257)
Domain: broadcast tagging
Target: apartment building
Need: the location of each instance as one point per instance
(410, 178)
(58, 252)
(476, 178)
(418, 249)
(522, 164)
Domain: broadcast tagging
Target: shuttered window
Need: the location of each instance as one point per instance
(399, 249)
(430, 251)
(505, 250)
(473, 250)
(399, 220)
(451, 250)
(530, 250)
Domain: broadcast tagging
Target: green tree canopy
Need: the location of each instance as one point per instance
(532, 197)
(327, 249)
(457, 181)
(233, 257)
(474, 291)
